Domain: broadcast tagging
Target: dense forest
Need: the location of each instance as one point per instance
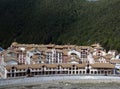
(80, 22)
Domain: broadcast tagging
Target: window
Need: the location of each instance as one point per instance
(13, 69)
(49, 57)
(84, 53)
(73, 67)
(102, 72)
(109, 72)
(58, 57)
(95, 72)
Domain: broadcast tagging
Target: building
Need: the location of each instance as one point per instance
(54, 59)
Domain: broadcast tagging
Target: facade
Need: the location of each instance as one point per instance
(38, 60)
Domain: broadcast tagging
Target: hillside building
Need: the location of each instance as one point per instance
(53, 59)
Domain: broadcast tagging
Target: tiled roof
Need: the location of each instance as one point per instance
(108, 56)
(65, 52)
(114, 61)
(59, 50)
(65, 65)
(8, 67)
(96, 45)
(48, 50)
(51, 65)
(70, 60)
(50, 45)
(81, 65)
(8, 58)
(102, 65)
(59, 46)
(84, 47)
(14, 43)
(35, 57)
(25, 66)
(96, 57)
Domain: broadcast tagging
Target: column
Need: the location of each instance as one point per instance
(58, 57)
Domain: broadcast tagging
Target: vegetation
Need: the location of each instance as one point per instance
(80, 22)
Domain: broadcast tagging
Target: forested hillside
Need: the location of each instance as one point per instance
(79, 22)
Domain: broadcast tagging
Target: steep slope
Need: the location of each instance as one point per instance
(78, 22)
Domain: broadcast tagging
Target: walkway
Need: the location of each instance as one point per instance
(57, 79)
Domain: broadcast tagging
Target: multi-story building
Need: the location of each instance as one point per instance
(57, 59)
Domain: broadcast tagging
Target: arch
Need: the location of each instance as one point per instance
(28, 72)
(74, 52)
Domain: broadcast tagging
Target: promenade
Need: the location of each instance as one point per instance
(57, 79)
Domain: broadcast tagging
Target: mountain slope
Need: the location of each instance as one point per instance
(78, 22)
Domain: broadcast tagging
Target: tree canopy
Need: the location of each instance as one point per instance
(80, 22)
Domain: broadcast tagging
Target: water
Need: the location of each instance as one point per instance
(61, 85)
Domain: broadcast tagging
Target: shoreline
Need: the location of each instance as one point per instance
(58, 80)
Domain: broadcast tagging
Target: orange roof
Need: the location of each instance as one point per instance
(21, 66)
(42, 49)
(8, 67)
(65, 65)
(115, 61)
(65, 52)
(59, 50)
(51, 65)
(50, 45)
(58, 46)
(108, 56)
(102, 65)
(99, 48)
(14, 43)
(48, 50)
(25, 66)
(96, 45)
(36, 65)
(96, 57)
(69, 60)
(84, 47)
(35, 57)
(9, 58)
(65, 46)
(81, 65)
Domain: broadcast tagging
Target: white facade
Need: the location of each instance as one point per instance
(118, 57)
(90, 59)
(54, 56)
(3, 71)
